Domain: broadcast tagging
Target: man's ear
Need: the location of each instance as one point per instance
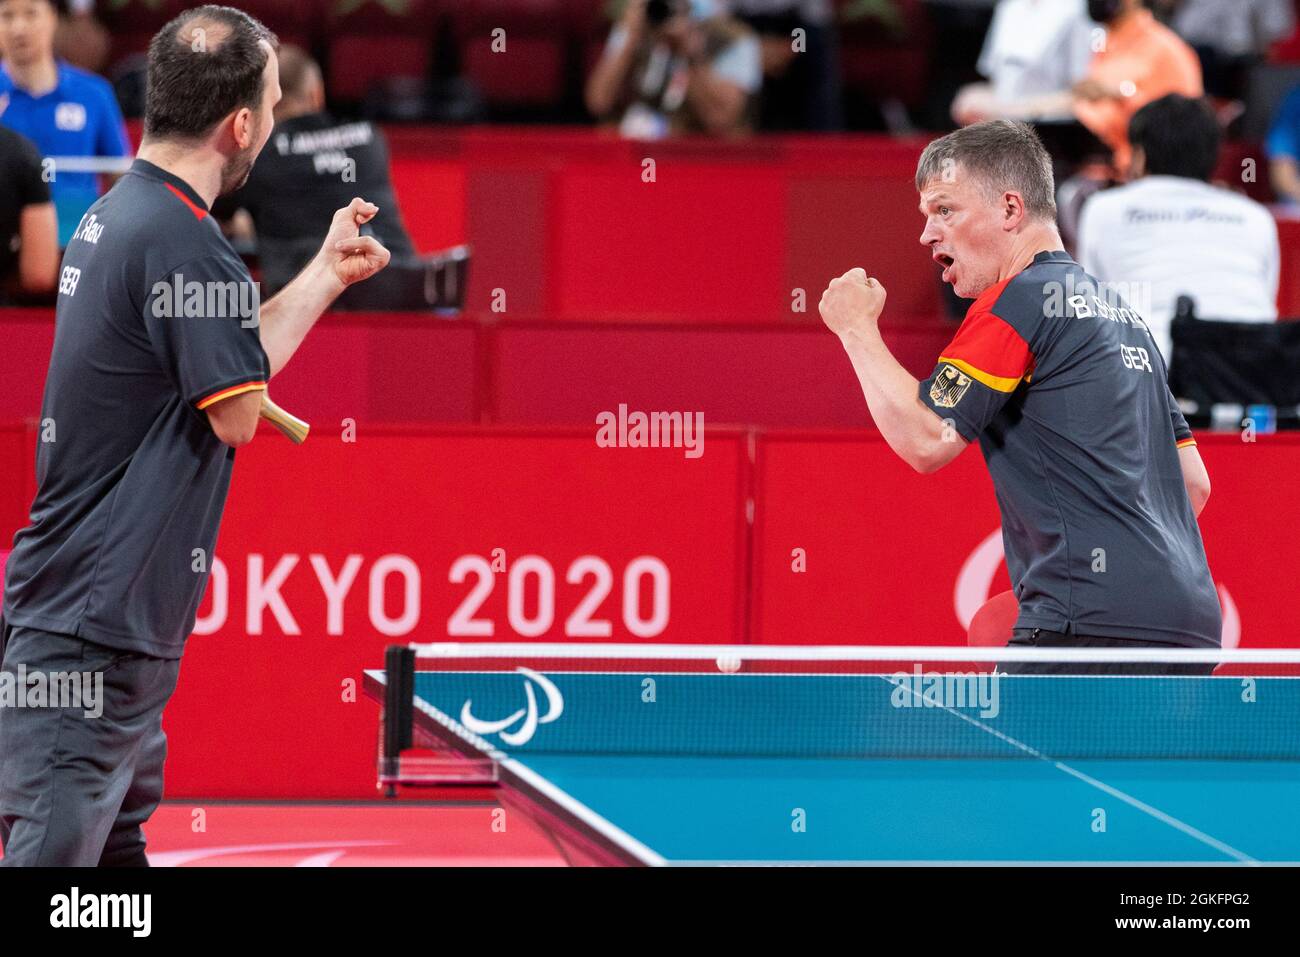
(243, 127)
(1013, 210)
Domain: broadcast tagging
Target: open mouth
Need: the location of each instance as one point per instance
(946, 261)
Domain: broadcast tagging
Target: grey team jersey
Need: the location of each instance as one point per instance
(1067, 394)
(152, 326)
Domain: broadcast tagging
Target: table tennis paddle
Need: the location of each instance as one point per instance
(294, 429)
(993, 623)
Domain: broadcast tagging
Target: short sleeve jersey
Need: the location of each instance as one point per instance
(21, 185)
(156, 321)
(1066, 392)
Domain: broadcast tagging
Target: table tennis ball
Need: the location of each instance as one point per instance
(729, 664)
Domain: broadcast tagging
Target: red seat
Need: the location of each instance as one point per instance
(369, 42)
(538, 39)
(882, 62)
(298, 23)
(133, 23)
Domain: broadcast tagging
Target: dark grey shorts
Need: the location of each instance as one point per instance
(76, 785)
(1041, 638)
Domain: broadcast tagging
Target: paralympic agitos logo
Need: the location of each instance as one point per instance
(526, 717)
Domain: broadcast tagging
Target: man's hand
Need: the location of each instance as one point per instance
(851, 301)
(351, 256)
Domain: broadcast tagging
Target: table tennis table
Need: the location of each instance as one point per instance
(724, 765)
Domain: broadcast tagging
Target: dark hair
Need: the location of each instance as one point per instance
(202, 65)
(1003, 155)
(1179, 136)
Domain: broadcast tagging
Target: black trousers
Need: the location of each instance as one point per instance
(1040, 638)
(76, 786)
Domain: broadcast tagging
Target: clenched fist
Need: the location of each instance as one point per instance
(353, 257)
(851, 301)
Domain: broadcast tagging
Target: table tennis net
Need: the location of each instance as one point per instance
(826, 702)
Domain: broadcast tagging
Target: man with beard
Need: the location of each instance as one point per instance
(161, 358)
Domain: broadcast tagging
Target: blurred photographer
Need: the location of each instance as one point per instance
(677, 66)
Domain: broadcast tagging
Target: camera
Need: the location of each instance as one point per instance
(658, 12)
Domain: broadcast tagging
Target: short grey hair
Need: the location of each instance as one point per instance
(1003, 155)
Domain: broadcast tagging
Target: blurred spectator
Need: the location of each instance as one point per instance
(81, 39)
(29, 251)
(1171, 233)
(802, 89)
(1034, 53)
(312, 166)
(1283, 149)
(1230, 36)
(65, 111)
(1141, 60)
(677, 66)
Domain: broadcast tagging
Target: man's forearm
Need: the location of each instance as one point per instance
(607, 79)
(1055, 104)
(287, 318)
(912, 430)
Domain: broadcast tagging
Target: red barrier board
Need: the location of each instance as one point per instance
(331, 551)
(1250, 530)
(894, 557)
(852, 546)
(753, 375)
(17, 474)
(28, 337)
(406, 367)
(384, 367)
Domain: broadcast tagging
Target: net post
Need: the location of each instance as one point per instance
(399, 694)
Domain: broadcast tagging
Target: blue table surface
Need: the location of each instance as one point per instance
(825, 768)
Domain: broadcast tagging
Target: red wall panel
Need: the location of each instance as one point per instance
(17, 468)
(432, 197)
(28, 337)
(1250, 530)
(798, 375)
(839, 222)
(383, 368)
(884, 545)
(893, 557)
(701, 240)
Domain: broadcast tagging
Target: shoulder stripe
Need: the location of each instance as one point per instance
(234, 390)
(995, 382)
(990, 350)
(198, 213)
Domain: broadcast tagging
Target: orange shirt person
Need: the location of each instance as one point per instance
(1141, 61)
